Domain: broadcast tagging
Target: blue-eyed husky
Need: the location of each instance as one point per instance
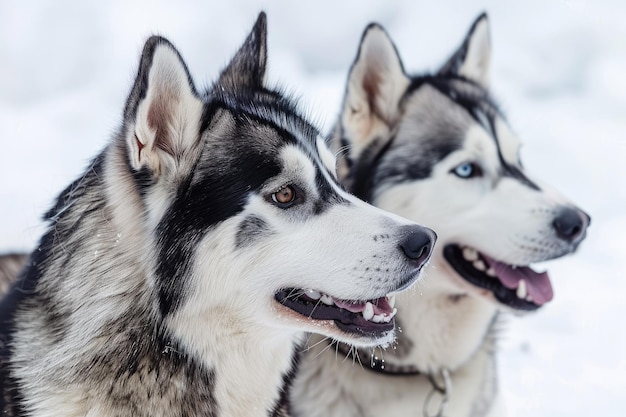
(436, 148)
(181, 269)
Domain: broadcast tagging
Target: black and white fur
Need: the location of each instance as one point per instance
(160, 286)
(436, 148)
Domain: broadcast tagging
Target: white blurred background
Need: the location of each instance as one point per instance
(559, 72)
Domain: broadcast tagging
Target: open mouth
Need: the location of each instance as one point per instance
(518, 287)
(371, 318)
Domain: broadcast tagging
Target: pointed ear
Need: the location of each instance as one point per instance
(472, 59)
(375, 87)
(162, 114)
(247, 68)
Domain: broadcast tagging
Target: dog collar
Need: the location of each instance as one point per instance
(373, 363)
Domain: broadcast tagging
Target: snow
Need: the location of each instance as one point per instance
(558, 71)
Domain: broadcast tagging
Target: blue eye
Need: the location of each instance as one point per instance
(467, 170)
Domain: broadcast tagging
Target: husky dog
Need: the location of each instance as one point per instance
(10, 266)
(437, 149)
(181, 270)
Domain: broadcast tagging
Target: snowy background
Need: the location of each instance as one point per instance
(559, 71)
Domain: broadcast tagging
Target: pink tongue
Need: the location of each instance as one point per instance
(347, 305)
(380, 306)
(538, 285)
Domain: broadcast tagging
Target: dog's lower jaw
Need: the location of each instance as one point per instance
(344, 321)
(438, 331)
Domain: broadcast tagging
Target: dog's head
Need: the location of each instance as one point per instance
(436, 149)
(251, 229)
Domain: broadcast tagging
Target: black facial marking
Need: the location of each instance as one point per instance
(512, 171)
(402, 163)
(251, 229)
(229, 170)
(480, 105)
(215, 197)
(328, 196)
(361, 179)
(411, 168)
(508, 170)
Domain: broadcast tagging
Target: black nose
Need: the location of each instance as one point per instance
(418, 243)
(570, 224)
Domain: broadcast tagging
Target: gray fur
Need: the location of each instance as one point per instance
(427, 133)
(250, 229)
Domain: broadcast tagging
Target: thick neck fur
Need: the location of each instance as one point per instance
(90, 340)
(443, 328)
(328, 384)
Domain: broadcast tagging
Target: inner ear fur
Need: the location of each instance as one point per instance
(163, 110)
(376, 84)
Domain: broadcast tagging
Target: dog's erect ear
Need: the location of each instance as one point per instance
(247, 68)
(162, 113)
(472, 59)
(376, 84)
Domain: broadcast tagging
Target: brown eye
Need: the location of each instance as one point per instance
(285, 196)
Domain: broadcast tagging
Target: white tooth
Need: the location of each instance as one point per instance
(368, 313)
(529, 298)
(386, 319)
(470, 254)
(393, 313)
(327, 299)
(392, 301)
(313, 294)
(491, 272)
(480, 265)
(377, 318)
(521, 290)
